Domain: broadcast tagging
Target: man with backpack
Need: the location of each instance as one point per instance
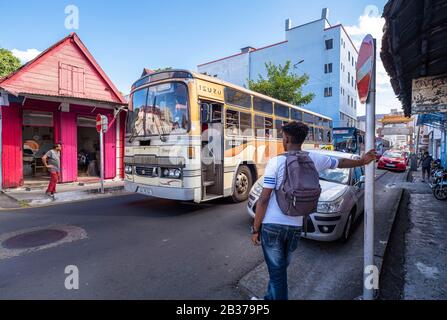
(291, 192)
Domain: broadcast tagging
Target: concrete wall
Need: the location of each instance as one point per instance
(234, 69)
(305, 48)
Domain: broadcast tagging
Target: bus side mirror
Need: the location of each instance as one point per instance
(205, 113)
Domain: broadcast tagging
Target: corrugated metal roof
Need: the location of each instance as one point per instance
(414, 44)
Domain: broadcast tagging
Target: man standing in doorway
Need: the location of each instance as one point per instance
(277, 232)
(426, 166)
(52, 161)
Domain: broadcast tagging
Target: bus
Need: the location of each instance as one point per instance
(349, 139)
(191, 137)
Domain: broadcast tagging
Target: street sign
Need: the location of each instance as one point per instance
(98, 123)
(364, 67)
(102, 123)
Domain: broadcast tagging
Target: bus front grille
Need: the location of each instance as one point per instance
(144, 171)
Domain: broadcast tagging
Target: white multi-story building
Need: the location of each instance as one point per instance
(324, 52)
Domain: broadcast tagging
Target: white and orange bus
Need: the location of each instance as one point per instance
(191, 137)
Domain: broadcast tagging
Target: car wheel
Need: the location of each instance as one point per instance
(348, 228)
(242, 184)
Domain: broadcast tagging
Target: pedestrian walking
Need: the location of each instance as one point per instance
(426, 166)
(277, 229)
(52, 161)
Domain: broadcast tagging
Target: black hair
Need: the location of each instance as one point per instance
(297, 131)
(57, 144)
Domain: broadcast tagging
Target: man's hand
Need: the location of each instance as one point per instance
(369, 157)
(256, 240)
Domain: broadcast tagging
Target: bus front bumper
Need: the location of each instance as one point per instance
(160, 192)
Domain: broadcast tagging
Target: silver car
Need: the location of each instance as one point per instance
(341, 201)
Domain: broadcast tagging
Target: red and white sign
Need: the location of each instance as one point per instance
(101, 123)
(98, 123)
(364, 68)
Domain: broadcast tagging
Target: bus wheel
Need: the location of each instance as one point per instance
(242, 184)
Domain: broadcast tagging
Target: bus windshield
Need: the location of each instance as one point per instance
(345, 143)
(159, 110)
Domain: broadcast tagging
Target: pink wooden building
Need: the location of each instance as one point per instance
(55, 98)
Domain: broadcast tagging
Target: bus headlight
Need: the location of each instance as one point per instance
(128, 169)
(172, 173)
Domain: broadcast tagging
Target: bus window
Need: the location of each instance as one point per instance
(278, 126)
(135, 119)
(232, 122)
(310, 136)
(237, 98)
(268, 127)
(308, 118)
(263, 127)
(320, 135)
(238, 123)
(245, 124)
(262, 105)
(281, 110)
(259, 126)
(326, 136)
(296, 115)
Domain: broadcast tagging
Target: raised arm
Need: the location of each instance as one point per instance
(367, 158)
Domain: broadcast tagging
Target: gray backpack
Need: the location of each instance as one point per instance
(300, 189)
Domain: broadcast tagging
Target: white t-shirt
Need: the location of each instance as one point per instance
(273, 177)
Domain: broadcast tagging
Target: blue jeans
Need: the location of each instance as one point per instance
(278, 243)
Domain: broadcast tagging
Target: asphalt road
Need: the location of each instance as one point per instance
(144, 248)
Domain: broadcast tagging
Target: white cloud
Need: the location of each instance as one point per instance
(27, 55)
(370, 22)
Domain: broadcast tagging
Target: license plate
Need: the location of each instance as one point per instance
(145, 191)
(391, 165)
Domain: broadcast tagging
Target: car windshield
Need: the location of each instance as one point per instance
(392, 154)
(335, 175)
(159, 110)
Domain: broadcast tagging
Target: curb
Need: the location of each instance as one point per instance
(89, 191)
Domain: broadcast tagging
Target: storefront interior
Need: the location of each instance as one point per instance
(88, 148)
(38, 138)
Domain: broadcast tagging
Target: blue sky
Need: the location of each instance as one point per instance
(125, 36)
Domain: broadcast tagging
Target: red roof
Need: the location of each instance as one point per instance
(42, 75)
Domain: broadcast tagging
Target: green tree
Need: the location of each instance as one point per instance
(283, 85)
(8, 62)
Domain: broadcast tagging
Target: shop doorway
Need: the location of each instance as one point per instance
(37, 139)
(87, 149)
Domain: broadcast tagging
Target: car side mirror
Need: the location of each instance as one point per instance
(361, 183)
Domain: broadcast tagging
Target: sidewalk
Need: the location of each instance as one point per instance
(425, 244)
(69, 192)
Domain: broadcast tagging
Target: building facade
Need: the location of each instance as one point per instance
(55, 99)
(324, 52)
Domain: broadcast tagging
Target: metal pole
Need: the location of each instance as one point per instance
(368, 292)
(101, 151)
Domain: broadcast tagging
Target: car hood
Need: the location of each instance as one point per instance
(331, 191)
